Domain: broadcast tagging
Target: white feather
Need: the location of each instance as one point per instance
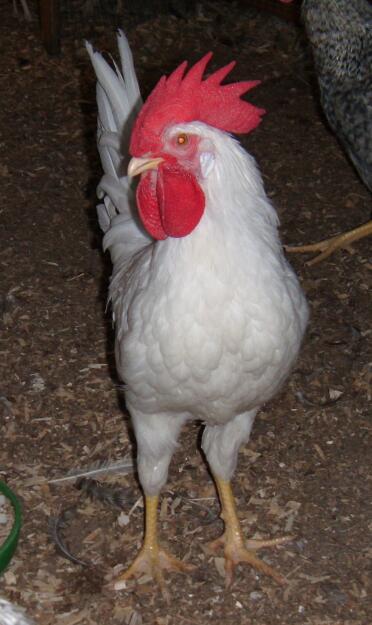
(131, 82)
(123, 466)
(118, 100)
(206, 163)
(10, 614)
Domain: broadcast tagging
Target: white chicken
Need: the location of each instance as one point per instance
(209, 315)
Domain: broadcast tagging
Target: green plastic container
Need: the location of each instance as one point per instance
(8, 547)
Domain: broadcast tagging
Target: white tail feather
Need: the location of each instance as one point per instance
(129, 72)
(118, 100)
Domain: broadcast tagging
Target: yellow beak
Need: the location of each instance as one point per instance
(139, 165)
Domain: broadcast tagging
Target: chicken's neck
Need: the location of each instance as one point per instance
(239, 225)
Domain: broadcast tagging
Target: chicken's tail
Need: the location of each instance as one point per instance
(118, 100)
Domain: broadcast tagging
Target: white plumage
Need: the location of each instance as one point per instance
(11, 614)
(208, 325)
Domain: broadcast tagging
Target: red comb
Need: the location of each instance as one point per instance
(187, 97)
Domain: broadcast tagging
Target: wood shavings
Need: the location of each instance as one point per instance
(314, 579)
(71, 618)
(253, 456)
(123, 519)
(333, 398)
(319, 451)
(209, 515)
(175, 503)
(10, 578)
(219, 563)
(127, 615)
(287, 512)
(163, 509)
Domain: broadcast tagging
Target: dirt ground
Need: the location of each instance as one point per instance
(306, 469)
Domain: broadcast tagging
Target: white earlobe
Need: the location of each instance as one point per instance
(206, 163)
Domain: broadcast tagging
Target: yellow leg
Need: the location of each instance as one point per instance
(235, 547)
(153, 559)
(328, 246)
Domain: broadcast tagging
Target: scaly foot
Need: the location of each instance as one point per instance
(235, 548)
(154, 562)
(237, 551)
(328, 246)
(325, 248)
(153, 559)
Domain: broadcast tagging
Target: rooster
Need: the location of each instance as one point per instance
(340, 33)
(209, 316)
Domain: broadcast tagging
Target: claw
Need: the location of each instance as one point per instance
(153, 559)
(154, 562)
(328, 246)
(236, 550)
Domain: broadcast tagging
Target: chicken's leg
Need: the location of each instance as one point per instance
(235, 547)
(152, 558)
(328, 246)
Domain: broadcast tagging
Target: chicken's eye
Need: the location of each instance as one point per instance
(182, 139)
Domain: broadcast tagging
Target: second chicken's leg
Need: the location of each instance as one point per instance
(152, 558)
(328, 246)
(236, 549)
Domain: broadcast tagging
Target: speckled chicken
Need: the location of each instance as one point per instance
(209, 316)
(340, 33)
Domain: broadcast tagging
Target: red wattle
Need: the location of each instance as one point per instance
(181, 200)
(170, 200)
(148, 206)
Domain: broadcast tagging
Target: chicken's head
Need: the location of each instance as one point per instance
(172, 163)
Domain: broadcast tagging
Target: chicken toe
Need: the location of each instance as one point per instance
(153, 559)
(236, 550)
(153, 563)
(328, 246)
